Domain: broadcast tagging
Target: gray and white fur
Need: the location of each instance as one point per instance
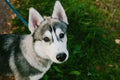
(28, 57)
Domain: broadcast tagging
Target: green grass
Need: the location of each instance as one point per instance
(93, 53)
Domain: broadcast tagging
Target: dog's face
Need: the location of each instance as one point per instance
(49, 34)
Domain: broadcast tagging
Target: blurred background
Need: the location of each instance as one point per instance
(93, 36)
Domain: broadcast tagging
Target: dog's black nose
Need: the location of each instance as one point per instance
(61, 57)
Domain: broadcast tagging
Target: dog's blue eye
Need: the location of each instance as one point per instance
(46, 39)
(61, 35)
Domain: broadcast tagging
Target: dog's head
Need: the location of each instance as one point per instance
(49, 34)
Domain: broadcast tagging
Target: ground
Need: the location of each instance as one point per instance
(5, 17)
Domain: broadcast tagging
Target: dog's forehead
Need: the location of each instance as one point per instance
(51, 23)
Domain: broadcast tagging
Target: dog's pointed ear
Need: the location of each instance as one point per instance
(59, 12)
(34, 19)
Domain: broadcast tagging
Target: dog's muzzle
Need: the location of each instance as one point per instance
(61, 57)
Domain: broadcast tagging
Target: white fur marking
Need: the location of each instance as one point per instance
(58, 31)
(36, 77)
(48, 34)
(13, 67)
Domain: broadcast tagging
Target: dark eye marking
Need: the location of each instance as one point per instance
(46, 39)
(61, 35)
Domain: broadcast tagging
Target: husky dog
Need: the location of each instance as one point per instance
(28, 57)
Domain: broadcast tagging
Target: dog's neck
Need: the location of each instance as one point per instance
(30, 55)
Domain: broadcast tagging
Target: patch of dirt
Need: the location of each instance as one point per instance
(5, 17)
